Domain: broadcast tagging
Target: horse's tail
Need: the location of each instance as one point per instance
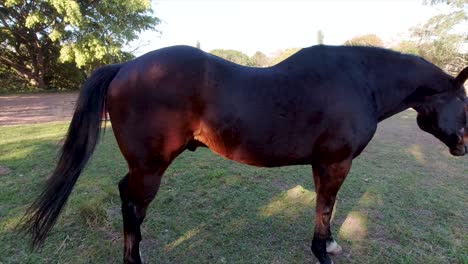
(81, 139)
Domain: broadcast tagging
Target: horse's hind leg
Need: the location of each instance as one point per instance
(328, 180)
(137, 190)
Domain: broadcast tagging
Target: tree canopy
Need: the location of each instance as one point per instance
(365, 40)
(284, 54)
(40, 39)
(233, 55)
(443, 38)
(259, 59)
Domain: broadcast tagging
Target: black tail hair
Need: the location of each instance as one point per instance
(81, 139)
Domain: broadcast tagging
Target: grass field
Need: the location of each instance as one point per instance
(405, 201)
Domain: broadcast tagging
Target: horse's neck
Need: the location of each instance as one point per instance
(388, 106)
(390, 99)
(393, 95)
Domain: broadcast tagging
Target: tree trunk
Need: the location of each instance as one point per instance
(41, 83)
(34, 78)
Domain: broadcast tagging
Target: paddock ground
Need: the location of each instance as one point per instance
(36, 108)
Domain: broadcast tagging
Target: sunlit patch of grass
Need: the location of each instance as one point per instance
(416, 151)
(187, 236)
(92, 212)
(23, 133)
(354, 228)
(290, 202)
(10, 223)
(371, 198)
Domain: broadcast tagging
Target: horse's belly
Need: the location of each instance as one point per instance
(260, 154)
(255, 140)
(271, 159)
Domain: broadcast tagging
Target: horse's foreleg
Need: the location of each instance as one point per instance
(328, 179)
(137, 190)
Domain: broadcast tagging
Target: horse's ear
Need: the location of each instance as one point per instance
(461, 77)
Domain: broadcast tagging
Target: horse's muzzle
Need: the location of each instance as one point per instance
(459, 151)
(462, 147)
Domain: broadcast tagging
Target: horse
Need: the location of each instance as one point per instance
(319, 107)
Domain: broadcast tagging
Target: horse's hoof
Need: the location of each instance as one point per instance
(334, 248)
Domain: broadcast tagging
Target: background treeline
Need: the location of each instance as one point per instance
(54, 44)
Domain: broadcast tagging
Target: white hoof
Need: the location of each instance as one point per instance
(334, 248)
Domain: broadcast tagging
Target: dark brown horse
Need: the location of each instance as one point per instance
(320, 107)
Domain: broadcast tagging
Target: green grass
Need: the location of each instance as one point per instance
(404, 201)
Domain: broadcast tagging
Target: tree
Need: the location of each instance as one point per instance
(365, 40)
(453, 3)
(259, 59)
(320, 37)
(9, 81)
(407, 46)
(282, 55)
(442, 38)
(38, 37)
(232, 55)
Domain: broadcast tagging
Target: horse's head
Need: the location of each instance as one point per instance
(445, 115)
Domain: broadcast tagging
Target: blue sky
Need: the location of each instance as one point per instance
(268, 26)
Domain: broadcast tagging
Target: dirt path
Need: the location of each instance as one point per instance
(36, 108)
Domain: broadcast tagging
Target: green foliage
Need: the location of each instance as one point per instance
(64, 76)
(259, 59)
(282, 55)
(38, 37)
(233, 55)
(441, 39)
(407, 46)
(102, 36)
(365, 40)
(443, 52)
(454, 3)
(11, 83)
